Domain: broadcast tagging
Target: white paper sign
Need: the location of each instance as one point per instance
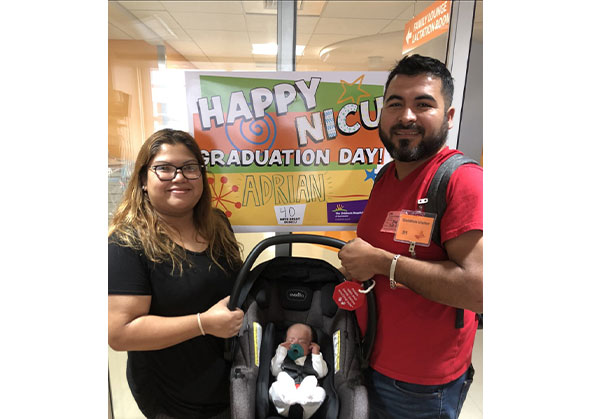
(290, 214)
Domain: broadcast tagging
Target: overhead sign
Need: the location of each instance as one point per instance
(288, 151)
(429, 24)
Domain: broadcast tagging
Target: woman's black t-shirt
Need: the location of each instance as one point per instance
(191, 379)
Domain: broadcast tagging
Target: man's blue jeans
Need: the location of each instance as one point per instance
(395, 399)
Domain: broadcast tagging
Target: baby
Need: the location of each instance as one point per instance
(298, 364)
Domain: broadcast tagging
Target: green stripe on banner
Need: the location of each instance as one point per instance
(327, 95)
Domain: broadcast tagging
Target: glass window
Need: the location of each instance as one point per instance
(353, 36)
(470, 137)
(150, 46)
(368, 35)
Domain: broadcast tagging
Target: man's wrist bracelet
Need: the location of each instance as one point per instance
(393, 283)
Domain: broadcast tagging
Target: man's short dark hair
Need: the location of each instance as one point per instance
(413, 65)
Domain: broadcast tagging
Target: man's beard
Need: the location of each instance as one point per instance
(427, 147)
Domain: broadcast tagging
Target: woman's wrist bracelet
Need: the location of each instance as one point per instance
(200, 326)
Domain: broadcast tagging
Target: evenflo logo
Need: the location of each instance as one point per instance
(296, 295)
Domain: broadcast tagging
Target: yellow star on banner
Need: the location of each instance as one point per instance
(354, 90)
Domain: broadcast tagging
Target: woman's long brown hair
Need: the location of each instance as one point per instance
(137, 225)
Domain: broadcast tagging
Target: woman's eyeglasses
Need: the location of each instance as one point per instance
(168, 171)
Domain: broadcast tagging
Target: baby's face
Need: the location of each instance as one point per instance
(300, 334)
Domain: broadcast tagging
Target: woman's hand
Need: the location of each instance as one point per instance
(220, 321)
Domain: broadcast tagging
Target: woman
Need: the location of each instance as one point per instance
(172, 262)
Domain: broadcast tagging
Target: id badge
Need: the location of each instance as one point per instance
(415, 227)
(390, 222)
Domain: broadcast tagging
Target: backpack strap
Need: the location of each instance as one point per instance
(437, 193)
(437, 204)
(437, 201)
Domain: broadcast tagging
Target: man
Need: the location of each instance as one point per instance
(421, 362)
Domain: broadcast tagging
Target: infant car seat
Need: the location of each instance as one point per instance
(277, 294)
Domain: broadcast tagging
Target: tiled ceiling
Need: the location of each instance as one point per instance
(219, 34)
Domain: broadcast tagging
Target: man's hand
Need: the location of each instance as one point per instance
(456, 282)
(360, 260)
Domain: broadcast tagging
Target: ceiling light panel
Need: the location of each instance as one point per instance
(262, 37)
(258, 7)
(271, 49)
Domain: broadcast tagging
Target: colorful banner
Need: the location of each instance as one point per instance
(288, 151)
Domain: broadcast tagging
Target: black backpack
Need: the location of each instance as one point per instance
(436, 203)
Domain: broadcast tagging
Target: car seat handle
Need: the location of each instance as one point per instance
(368, 339)
(274, 241)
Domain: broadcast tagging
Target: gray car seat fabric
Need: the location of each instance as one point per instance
(288, 290)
